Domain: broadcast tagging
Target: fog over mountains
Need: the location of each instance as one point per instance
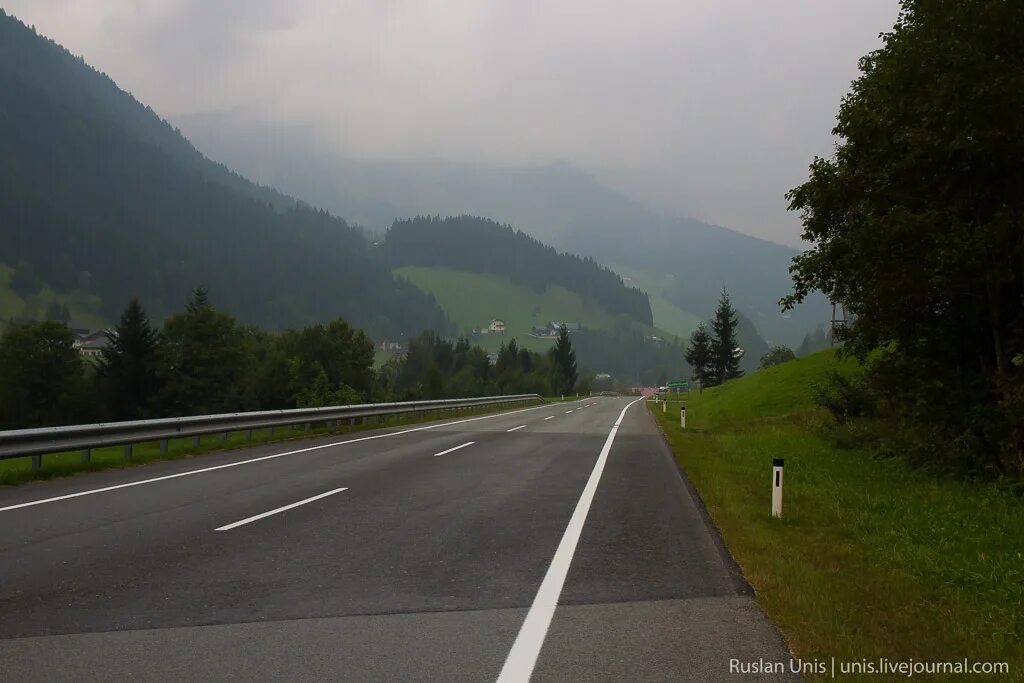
(556, 203)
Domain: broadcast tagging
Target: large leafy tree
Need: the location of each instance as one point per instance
(917, 223)
(204, 360)
(698, 355)
(41, 376)
(725, 358)
(565, 372)
(129, 368)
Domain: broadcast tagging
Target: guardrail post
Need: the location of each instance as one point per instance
(196, 441)
(37, 462)
(163, 445)
(86, 454)
(248, 435)
(271, 432)
(127, 451)
(224, 437)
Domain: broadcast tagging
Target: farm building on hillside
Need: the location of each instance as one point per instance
(551, 329)
(496, 326)
(92, 345)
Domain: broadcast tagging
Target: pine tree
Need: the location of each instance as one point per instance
(129, 366)
(725, 354)
(564, 363)
(698, 355)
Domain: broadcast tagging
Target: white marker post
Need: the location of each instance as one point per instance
(664, 406)
(777, 464)
(682, 417)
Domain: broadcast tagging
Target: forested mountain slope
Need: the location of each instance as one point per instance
(480, 245)
(97, 194)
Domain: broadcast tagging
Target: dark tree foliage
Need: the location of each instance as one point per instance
(629, 356)
(435, 368)
(482, 246)
(564, 363)
(698, 355)
(204, 361)
(725, 361)
(129, 368)
(91, 184)
(777, 356)
(917, 227)
(41, 376)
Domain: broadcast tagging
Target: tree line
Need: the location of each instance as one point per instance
(203, 361)
(917, 227)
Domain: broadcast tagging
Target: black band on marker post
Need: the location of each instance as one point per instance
(778, 462)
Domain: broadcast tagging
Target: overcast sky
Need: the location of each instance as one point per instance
(710, 108)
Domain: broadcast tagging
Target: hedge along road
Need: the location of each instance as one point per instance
(542, 545)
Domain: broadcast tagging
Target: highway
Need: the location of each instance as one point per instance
(544, 544)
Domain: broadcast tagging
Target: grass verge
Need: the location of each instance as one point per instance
(871, 559)
(19, 470)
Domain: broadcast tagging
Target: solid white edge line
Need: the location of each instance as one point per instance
(277, 510)
(515, 428)
(261, 459)
(468, 443)
(522, 658)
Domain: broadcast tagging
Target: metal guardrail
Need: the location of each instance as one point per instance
(21, 443)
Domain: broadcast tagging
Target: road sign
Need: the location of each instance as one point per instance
(678, 384)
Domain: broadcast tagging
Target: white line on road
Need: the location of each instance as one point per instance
(276, 510)
(550, 417)
(468, 443)
(515, 428)
(567, 412)
(523, 656)
(261, 459)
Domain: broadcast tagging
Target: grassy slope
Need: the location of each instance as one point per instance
(871, 559)
(667, 315)
(473, 299)
(84, 307)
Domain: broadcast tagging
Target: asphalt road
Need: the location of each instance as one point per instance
(566, 549)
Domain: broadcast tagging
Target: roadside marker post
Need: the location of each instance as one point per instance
(777, 466)
(682, 417)
(664, 406)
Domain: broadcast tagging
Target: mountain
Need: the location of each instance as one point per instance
(481, 245)
(556, 203)
(101, 200)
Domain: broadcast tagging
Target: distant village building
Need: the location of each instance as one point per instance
(496, 326)
(552, 328)
(92, 345)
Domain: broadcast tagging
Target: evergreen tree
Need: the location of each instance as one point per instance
(129, 368)
(564, 363)
(698, 355)
(725, 360)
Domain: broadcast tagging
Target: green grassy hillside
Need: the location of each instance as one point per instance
(84, 307)
(871, 559)
(474, 299)
(667, 315)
